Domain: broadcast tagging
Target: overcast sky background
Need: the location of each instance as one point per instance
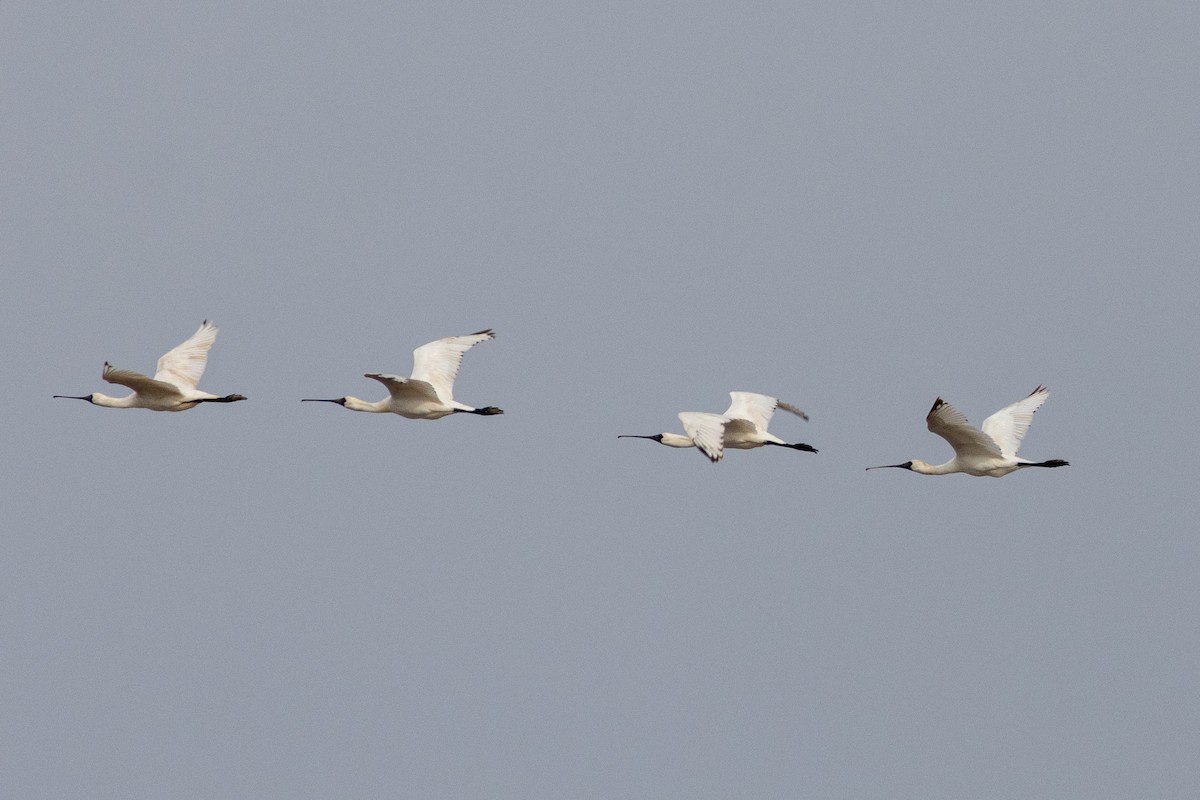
(856, 207)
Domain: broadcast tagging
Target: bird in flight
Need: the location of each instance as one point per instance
(173, 387)
(991, 451)
(743, 426)
(429, 392)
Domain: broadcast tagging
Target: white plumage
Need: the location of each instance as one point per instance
(173, 387)
(990, 451)
(429, 392)
(743, 426)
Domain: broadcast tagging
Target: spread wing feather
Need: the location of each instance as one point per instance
(183, 365)
(437, 363)
(758, 408)
(949, 423)
(1009, 425)
(147, 387)
(405, 389)
(755, 408)
(791, 409)
(707, 432)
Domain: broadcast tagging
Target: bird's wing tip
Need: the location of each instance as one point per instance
(792, 409)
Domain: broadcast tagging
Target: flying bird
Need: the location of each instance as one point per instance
(743, 426)
(991, 451)
(173, 387)
(429, 392)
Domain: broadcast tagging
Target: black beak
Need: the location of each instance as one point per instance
(656, 437)
(905, 465)
(341, 401)
(87, 397)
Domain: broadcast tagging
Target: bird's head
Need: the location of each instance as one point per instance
(669, 439)
(906, 465)
(88, 397)
(658, 437)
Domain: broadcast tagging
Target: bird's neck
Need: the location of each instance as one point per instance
(676, 440)
(935, 469)
(354, 404)
(113, 402)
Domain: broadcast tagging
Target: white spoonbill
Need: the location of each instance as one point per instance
(991, 451)
(429, 392)
(173, 387)
(743, 426)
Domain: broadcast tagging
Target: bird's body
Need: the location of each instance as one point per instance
(173, 387)
(743, 426)
(429, 392)
(990, 451)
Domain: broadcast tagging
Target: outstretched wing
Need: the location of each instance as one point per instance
(791, 409)
(755, 408)
(707, 432)
(147, 387)
(406, 390)
(437, 363)
(184, 365)
(949, 423)
(1009, 425)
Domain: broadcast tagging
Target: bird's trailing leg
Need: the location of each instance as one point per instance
(808, 448)
(229, 398)
(1054, 462)
(487, 411)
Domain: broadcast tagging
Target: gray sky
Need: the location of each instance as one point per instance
(856, 207)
